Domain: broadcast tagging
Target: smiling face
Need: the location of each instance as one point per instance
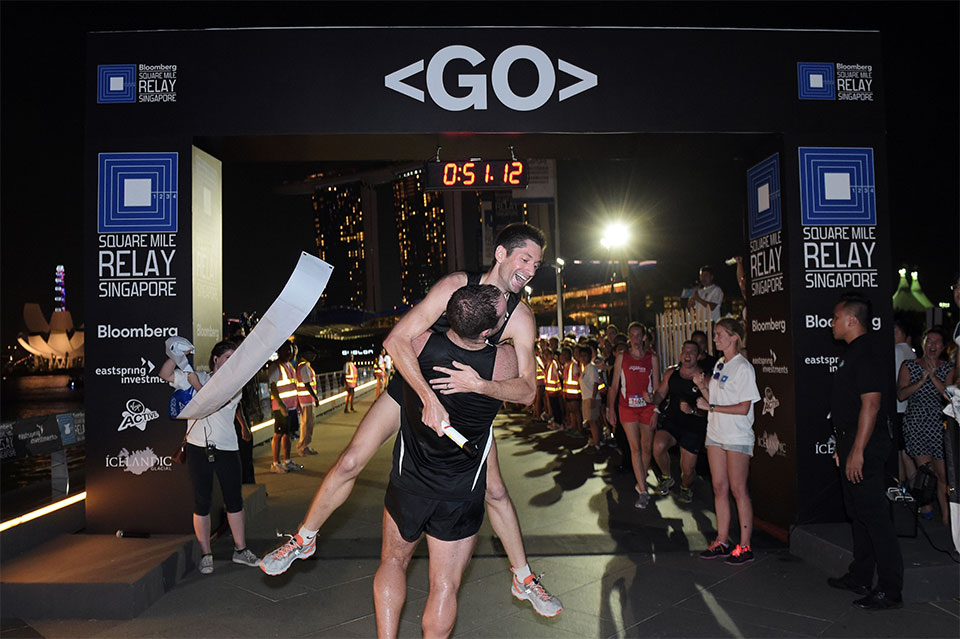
(516, 267)
(933, 345)
(724, 339)
(689, 355)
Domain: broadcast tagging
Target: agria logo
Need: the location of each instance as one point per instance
(476, 83)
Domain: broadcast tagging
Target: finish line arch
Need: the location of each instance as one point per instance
(162, 108)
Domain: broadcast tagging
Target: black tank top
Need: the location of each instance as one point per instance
(432, 466)
(442, 325)
(680, 389)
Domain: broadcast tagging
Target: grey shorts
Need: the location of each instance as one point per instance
(746, 449)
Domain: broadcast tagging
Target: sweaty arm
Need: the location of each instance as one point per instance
(399, 344)
(522, 387)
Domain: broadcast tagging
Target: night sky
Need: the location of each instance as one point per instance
(43, 115)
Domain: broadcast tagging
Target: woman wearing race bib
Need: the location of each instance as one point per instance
(636, 372)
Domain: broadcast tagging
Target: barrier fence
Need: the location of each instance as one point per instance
(674, 328)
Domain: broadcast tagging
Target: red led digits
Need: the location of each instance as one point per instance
(514, 175)
(469, 177)
(487, 178)
(449, 173)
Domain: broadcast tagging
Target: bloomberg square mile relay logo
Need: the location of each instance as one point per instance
(126, 83)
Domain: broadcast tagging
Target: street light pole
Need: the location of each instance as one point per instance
(558, 267)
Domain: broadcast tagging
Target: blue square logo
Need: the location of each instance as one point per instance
(116, 83)
(815, 81)
(763, 197)
(837, 187)
(137, 193)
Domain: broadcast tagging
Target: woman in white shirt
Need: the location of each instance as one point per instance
(729, 399)
(212, 448)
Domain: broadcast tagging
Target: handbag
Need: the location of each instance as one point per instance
(180, 455)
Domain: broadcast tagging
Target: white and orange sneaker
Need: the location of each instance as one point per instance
(277, 562)
(543, 602)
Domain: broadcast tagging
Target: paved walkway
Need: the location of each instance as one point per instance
(620, 572)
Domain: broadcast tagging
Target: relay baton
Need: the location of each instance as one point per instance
(458, 438)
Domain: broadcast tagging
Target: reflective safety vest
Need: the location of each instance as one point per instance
(571, 381)
(286, 387)
(305, 371)
(540, 372)
(350, 376)
(552, 380)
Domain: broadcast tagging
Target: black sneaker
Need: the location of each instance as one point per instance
(878, 600)
(740, 555)
(716, 549)
(848, 582)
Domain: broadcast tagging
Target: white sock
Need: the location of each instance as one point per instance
(523, 572)
(306, 534)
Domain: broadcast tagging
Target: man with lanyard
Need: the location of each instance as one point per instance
(859, 414)
(436, 488)
(307, 396)
(517, 256)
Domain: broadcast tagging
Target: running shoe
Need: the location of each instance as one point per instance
(643, 499)
(292, 465)
(206, 564)
(245, 557)
(716, 549)
(666, 482)
(277, 468)
(740, 555)
(530, 589)
(280, 559)
(686, 495)
(306, 452)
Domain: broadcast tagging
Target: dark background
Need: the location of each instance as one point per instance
(42, 118)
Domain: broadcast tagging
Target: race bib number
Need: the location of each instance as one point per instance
(635, 401)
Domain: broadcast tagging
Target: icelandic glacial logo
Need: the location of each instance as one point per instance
(138, 461)
(771, 443)
(137, 415)
(499, 77)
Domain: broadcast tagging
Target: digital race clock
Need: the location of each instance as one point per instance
(476, 175)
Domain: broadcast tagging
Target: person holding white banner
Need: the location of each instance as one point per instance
(212, 449)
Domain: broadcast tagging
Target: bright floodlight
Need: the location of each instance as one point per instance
(614, 236)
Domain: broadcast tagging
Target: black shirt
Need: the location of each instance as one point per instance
(860, 371)
(680, 389)
(707, 363)
(442, 325)
(432, 466)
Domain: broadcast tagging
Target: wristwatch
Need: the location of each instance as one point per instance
(712, 407)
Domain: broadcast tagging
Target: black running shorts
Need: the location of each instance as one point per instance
(689, 440)
(443, 520)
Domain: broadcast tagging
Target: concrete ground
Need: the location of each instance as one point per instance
(620, 572)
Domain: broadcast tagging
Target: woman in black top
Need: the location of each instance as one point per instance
(682, 423)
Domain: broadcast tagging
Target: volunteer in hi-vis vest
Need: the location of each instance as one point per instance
(350, 376)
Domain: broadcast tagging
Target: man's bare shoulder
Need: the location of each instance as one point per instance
(521, 326)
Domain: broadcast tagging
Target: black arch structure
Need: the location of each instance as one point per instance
(815, 193)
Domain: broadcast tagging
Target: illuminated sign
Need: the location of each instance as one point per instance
(476, 175)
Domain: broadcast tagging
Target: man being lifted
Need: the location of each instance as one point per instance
(516, 259)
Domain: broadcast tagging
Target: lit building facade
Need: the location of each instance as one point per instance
(421, 234)
(338, 222)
